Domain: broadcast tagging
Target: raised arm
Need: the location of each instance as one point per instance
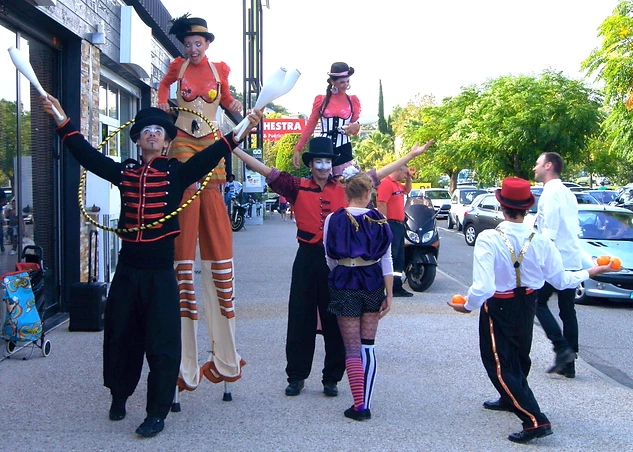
(413, 153)
(251, 161)
(87, 156)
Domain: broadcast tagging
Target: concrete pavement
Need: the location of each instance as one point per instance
(429, 390)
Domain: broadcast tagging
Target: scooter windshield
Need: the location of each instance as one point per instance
(419, 213)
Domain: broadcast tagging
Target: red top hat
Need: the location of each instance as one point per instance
(515, 194)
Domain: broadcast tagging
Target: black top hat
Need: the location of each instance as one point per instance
(188, 26)
(319, 148)
(515, 193)
(152, 116)
(340, 69)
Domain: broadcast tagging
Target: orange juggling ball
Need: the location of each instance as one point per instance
(616, 263)
(458, 299)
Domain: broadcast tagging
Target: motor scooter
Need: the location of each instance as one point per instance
(238, 211)
(421, 242)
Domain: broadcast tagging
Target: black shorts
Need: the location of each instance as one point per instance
(353, 303)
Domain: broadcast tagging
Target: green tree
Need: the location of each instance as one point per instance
(285, 150)
(447, 125)
(612, 63)
(517, 118)
(382, 123)
(8, 138)
(374, 151)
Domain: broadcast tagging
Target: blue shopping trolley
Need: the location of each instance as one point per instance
(24, 300)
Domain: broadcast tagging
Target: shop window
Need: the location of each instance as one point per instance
(28, 198)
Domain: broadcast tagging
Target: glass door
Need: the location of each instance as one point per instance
(28, 169)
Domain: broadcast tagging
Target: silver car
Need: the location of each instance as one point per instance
(606, 230)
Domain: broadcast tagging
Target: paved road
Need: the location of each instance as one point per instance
(604, 328)
(428, 396)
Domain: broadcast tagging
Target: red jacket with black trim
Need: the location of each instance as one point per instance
(311, 205)
(149, 191)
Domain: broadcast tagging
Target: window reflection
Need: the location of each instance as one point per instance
(27, 196)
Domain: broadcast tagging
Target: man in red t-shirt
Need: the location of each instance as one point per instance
(390, 202)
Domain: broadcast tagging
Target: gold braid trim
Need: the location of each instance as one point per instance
(366, 217)
(82, 183)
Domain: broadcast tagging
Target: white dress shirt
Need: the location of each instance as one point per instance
(493, 269)
(557, 219)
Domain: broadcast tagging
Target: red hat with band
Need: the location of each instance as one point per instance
(515, 193)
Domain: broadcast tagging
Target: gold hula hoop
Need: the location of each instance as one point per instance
(82, 182)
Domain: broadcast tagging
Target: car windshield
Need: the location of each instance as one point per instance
(419, 201)
(585, 198)
(467, 197)
(606, 225)
(437, 194)
(534, 208)
(604, 196)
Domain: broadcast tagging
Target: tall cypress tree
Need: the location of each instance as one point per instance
(382, 123)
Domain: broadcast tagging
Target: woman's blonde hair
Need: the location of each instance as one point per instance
(358, 186)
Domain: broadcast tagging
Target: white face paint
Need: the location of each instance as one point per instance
(322, 164)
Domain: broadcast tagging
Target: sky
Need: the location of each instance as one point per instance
(425, 47)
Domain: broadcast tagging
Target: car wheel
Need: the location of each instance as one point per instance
(582, 297)
(450, 222)
(470, 234)
(458, 224)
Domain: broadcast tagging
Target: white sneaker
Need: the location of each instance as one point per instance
(12, 253)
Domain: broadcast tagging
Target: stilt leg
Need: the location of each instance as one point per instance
(175, 406)
(227, 397)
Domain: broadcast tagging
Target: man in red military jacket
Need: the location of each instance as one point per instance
(142, 314)
(313, 199)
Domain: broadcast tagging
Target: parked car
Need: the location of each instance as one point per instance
(585, 198)
(606, 230)
(485, 213)
(440, 198)
(461, 199)
(537, 190)
(603, 196)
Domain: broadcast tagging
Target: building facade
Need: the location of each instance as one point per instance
(103, 59)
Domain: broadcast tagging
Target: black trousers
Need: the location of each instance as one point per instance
(397, 252)
(309, 292)
(505, 332)
(142, 317)
(566, 312)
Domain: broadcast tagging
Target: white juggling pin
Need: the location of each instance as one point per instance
(275, 86)
(22, 64)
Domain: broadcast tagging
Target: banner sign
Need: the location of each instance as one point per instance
(274, 129)
(253, 182)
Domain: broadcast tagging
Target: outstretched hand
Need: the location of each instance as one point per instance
(418, 150)
(600, 269)
(254, 117)
(296, 159)
(48, 102)
(459, 307)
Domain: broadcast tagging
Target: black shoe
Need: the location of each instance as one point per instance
(117, 409)
(294, 388)
(569, 371)
(330, 389)
(497, 405)
(150, 427)
(360, 415)
(402, 293)
(562, 358)
(528, 435)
